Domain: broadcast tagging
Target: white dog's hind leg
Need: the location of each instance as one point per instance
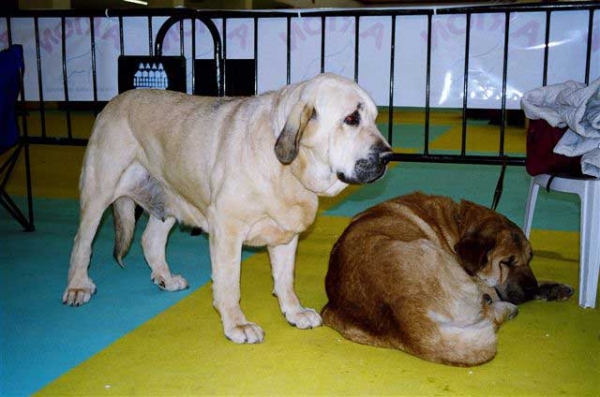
(225, 257)
(104, 164)
(283, 258)
(80, 287)
(154, 242)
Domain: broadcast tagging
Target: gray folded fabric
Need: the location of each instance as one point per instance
(577, 107)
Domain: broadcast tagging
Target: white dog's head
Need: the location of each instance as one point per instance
(325, 130)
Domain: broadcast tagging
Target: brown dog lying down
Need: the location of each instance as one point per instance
(432, 277)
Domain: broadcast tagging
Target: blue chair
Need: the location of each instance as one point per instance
(12, 144)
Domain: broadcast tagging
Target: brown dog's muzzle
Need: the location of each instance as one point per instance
(520, 286)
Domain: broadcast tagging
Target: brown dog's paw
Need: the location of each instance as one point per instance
(551, 291)
(504, 311)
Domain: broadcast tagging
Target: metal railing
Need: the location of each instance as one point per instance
(176, 16)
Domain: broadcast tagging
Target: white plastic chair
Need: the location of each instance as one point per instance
(589, 246)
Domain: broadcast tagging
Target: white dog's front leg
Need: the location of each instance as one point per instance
(226, 256)
(283, 259)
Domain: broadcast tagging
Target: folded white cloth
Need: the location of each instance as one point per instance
(590, 163)
(577, 107)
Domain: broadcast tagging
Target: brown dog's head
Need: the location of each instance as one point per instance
(494, 249)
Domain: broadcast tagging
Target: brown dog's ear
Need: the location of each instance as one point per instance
(288, 142)
(472, 249)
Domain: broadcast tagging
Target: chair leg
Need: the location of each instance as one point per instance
(11, 207)
(530, 209)
(589, 245)
(30, 224)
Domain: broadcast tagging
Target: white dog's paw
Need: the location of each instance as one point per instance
(169, 283)
(78, 294)
(245, 333)
(304, 318)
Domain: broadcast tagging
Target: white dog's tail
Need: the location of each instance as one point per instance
(124, 215)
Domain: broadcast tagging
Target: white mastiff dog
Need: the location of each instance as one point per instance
(245, 170)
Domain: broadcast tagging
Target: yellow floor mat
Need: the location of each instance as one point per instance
(54, 172)
(482, 138)
(548, 349)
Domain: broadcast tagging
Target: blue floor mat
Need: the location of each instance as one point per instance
(41, 338)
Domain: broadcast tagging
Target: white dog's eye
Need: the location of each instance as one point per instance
(353, 119)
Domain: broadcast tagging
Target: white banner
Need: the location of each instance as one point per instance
(568, 44)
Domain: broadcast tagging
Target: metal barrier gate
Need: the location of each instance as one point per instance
(40, 106)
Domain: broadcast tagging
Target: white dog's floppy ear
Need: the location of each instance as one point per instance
(288, 142)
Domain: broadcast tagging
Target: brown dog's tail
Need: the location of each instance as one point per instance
(124, 215)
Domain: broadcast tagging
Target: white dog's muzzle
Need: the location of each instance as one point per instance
(369, 169)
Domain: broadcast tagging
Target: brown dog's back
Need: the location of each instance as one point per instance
(395, 281)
